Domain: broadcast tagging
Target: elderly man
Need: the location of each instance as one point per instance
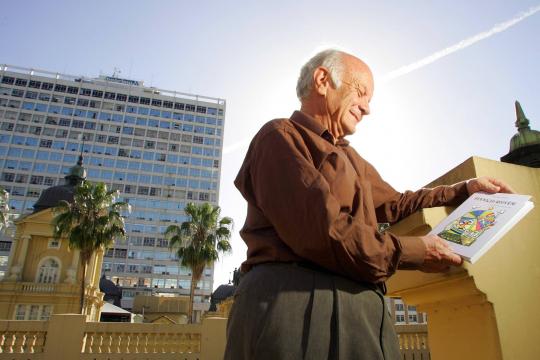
(316, 263)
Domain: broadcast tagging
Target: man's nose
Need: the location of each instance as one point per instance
(364, 107)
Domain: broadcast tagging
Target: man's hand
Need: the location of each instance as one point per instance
(489, 185)
(439, 256)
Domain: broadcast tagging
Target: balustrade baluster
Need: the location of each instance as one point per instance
(169, 349)
(124, 343)
(133, 343)
(28, 345)
(39, 344)
(152, 343)
(108, 340)
(145, 343)
(19, 342)
(99, 343)
(2, 343)
(115, 343)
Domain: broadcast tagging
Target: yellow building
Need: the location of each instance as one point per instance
(44, 275)
(162, 309)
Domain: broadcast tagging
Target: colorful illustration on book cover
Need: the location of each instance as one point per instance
(466, 229)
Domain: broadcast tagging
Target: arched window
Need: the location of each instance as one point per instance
(49, 271)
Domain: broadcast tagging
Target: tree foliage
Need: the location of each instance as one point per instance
(4, 209)
(199, 240)
(91, 222)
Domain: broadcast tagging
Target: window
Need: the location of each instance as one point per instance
(60, 88)
(400, 318)
(97, 93)
(48, 271)
(33, 312)
(413, 318)
(54, 244)
(21, 82)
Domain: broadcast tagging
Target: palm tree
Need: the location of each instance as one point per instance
(4, 209)
(91, 222)
(199, 240)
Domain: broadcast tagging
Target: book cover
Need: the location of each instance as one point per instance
(481, 221)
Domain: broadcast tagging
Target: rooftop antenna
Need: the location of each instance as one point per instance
(116, 72)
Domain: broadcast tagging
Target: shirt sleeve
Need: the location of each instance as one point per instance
(282, 182)
(392, 206)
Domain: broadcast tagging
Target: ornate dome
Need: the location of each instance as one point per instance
(51, 197)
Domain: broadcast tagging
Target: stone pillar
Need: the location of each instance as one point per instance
(11, 257)
(71, 273)
(65, 336)
(16, 270)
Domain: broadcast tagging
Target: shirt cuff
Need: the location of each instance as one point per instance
(413, 252)
(460, 193)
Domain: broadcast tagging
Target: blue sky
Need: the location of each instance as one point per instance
(249, 52)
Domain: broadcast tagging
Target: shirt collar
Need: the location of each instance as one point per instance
(313, 125)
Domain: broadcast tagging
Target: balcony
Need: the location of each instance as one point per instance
(486, 310)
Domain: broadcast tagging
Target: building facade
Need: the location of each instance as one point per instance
(159, 148)
(404, 314)
(44, 275)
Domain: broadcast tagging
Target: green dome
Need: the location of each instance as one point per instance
(525, 135)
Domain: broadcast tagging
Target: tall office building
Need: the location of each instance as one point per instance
(159, 148)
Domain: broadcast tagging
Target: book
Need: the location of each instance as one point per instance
(479, 222)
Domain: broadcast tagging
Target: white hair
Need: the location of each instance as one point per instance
(330, 59)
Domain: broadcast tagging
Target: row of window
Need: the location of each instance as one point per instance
(22, 206)
(110, 139)
(401, 307)
(401, 318)
(101, 126)
(33, 312)
(103, 116)
(16, 152)
(34, 84)
(102, 138)
(157, 283)
(108, 175)
(169, 283)
(54, 168)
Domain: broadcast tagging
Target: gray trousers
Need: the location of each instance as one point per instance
(286, 311)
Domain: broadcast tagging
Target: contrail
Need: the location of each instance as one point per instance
(235, 146)
(460, 45)
(431, 58)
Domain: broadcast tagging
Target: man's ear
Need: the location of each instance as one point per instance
(321, 80)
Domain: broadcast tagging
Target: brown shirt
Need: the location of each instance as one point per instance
(310, 200)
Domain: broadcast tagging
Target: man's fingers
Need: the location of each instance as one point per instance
(455, 259)
(504, 187)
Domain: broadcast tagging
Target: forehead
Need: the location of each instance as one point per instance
(357, 72)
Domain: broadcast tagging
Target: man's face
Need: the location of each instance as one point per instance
(350, 102)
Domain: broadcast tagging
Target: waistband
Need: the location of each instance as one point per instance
(381, 287)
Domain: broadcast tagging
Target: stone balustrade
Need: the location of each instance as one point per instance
(32, 287)
(72, 337)
(37, 287)
(127, 338)
(22, 337)
(413, 342)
